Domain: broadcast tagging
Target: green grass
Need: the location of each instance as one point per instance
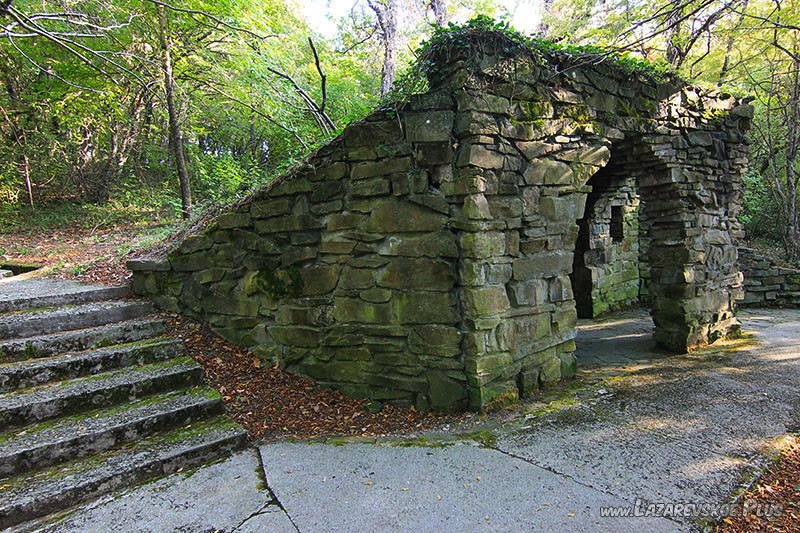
(63, 214)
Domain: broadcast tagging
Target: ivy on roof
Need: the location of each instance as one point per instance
(466, 42)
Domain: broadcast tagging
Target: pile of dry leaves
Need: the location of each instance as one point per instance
(270, 403)
(774, 503)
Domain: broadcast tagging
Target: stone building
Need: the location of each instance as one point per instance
(437, 253)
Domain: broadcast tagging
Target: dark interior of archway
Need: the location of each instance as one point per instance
(622, 337)
(603, 183)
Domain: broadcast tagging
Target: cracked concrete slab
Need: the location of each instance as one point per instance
(462, 487)
(629, 461)
(226, 496)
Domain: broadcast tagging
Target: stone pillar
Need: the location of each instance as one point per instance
(692, 199)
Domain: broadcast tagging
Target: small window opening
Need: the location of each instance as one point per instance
(617, 232)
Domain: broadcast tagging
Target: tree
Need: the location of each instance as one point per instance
(175, 131)
(386, 15)
(439, 8)
(96, 82)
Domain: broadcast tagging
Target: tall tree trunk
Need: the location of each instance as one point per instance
(544, 28)
(675, 53)
(386, 12)
(175, 133)
(726, 62)
(439, 8)
(792, 118)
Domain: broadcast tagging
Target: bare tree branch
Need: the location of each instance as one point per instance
(322, 77)
(317, 110)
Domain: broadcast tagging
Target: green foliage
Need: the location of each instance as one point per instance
(760, 216)
(143, 207)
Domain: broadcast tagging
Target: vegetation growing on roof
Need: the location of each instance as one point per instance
(483, 35)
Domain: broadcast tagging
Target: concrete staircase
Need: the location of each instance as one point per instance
(94, 397)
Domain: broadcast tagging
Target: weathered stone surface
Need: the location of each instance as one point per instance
(396, 216)
(425, 308)
(435, 339)
(287, 223)
(319, 279)
(295, 335)
(485, 301)
(371, 187)
(480, 156)
(542, 265)
(547, 172)
(411, 274)
(353, 310)
(380, 168)
(429, 126)
(446, 393)
(483, 245)
(439, 244)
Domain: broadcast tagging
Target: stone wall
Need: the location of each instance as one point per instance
(605, 273)
(765, 283)
(423, 256)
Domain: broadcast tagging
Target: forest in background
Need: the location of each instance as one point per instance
(148, 110)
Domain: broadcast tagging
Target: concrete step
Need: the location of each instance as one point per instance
(34, 372)
(69, 397)
(77, 340)
(52, 320)
(29, 496)
(54, 442)
(37, 293)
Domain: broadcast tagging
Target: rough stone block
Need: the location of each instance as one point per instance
(425, 308)
(371, 187)
(430, 126)
(233, 220)
(347, 310)
(485, 301)
(412, 274)
(372, 133)
(531, 292)
(434, 153)
(544, 265)
(330, 171)
(446, 393)
(476, 207)
(550, 371)
(291, 185)
(483, 245)
(481, 156)
(345, 221)
(319, 279)
(435, 339)
(191, 262)
(380, 168)
(357, 278)
(562, 208)
(287, 223)
(547, 172)
(397, 216)
(439, 244)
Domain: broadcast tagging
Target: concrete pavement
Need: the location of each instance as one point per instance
(641, 430)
